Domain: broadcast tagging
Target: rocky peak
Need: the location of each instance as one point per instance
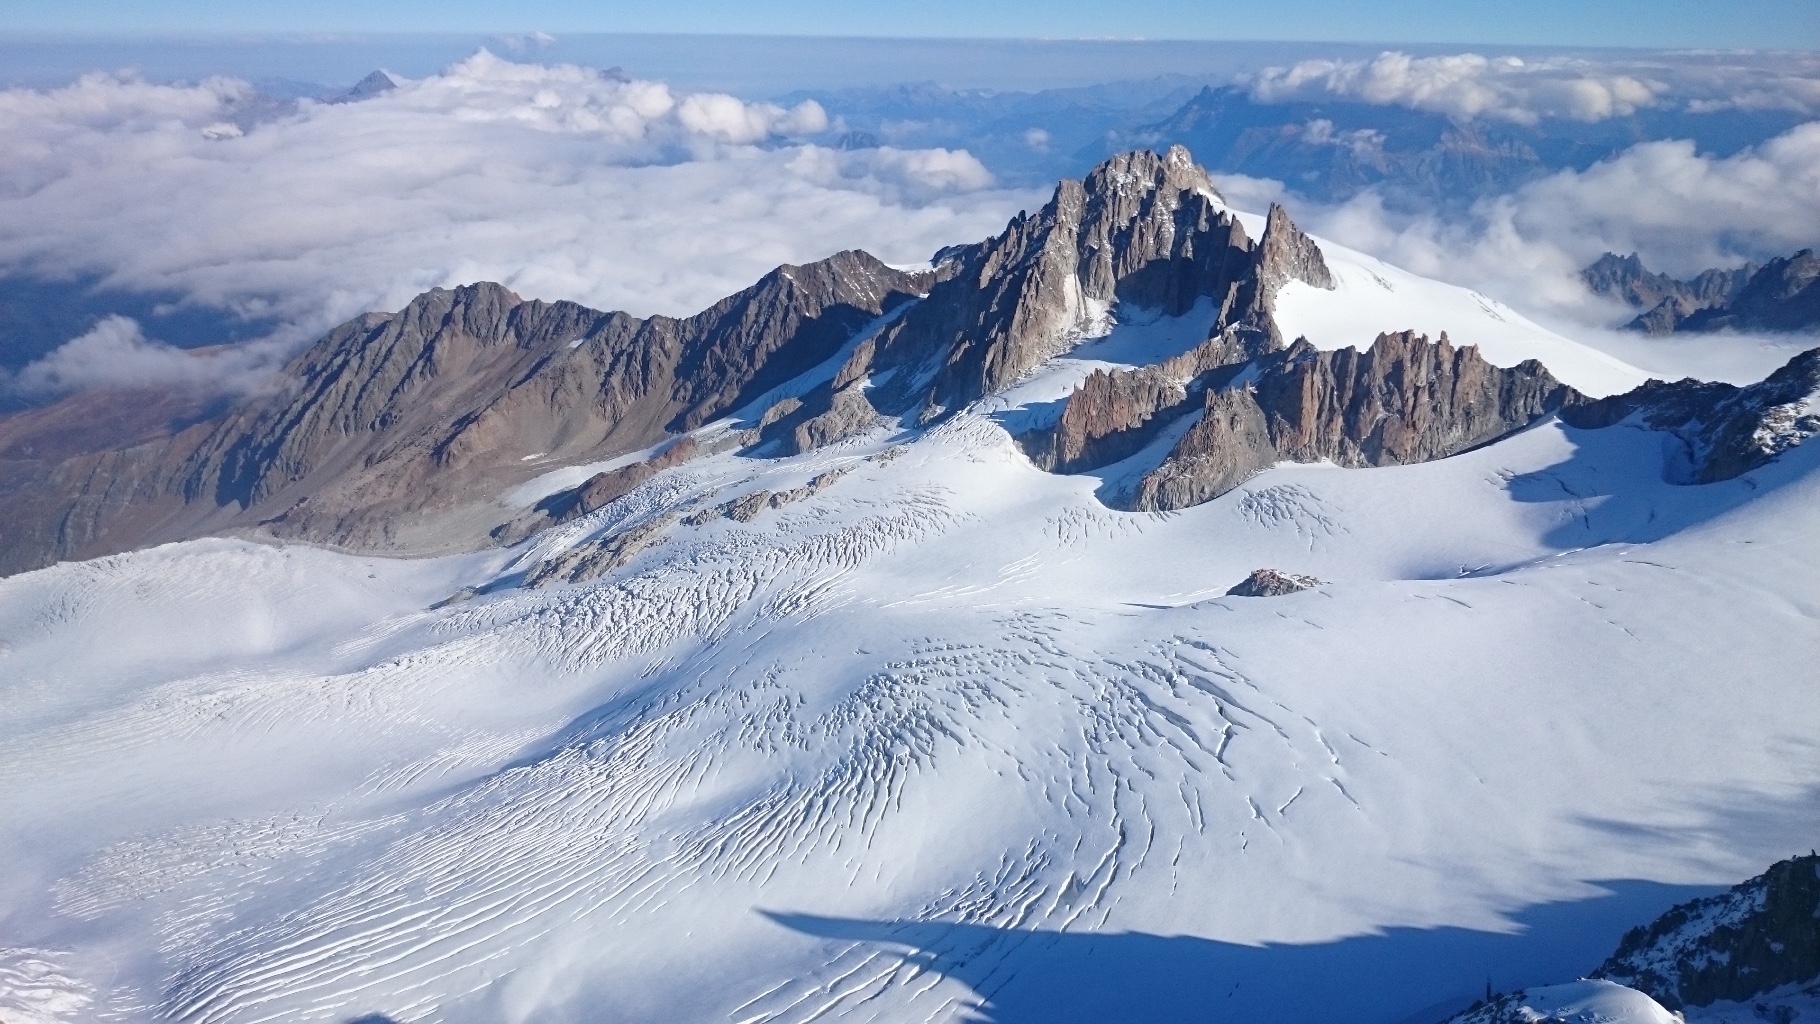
(1272, 583)
(1286, 254)
(1142, 229)
(376, 83)
(1784, 295)
(1668, 304)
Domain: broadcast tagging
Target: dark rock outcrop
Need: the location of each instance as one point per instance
(1404, 400)
(1272, 583)
(1626, 279)
(394, 431)
(1720, 430)
(1780, 296)
(1756, 937)
(849, 412)
(1783, 296)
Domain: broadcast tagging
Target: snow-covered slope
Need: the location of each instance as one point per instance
(1578, 1002)
(947, 739)
(1371, 296)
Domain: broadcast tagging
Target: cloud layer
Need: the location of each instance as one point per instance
(115, 354)
(1681, 210)
(1470, 85)
(559, 181)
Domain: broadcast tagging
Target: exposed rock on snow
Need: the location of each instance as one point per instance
(1285, 254)
(1579, 1002)
(596, 492)
(1720, 430)
(1405, 400)
(595, 558)
(848, 413)
(1761, 935)
(1272, 583)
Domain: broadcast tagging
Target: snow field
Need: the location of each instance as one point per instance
(892, 753)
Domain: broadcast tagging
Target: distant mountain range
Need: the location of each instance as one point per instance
(1780, 296)
(1327, 151)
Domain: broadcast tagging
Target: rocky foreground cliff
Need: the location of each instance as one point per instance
(1751, 952)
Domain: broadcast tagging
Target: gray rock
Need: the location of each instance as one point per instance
(747, 507)
(1272, 583)
(1782, 296)
(1626, 279)
(1722, 430)
(1404, 400)
(596, 558)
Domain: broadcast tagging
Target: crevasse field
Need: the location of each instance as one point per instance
(949, 740)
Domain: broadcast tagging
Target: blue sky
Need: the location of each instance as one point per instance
(1656, 23)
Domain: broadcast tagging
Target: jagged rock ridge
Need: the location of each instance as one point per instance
(1142, 229)
(395, 430)
(1779, 296)
(1404, 400)
(1719, 431)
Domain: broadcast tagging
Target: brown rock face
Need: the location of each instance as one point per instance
(1404, 400)
(1285, 254)
(395, 430)
(849, 413)
(1229, 443)
(1109, 417)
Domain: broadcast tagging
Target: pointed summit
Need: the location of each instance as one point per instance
(377, 83)
(1286, 254)
(1142, 229)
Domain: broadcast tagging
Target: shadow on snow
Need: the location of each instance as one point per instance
(1401, 976)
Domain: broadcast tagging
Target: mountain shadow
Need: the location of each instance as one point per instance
(1617, 479)
(1400, 976)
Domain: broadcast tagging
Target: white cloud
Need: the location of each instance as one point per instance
(1470, 85)
(1466, 85)
(527, 41)
(558, 181)
(115, 353)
